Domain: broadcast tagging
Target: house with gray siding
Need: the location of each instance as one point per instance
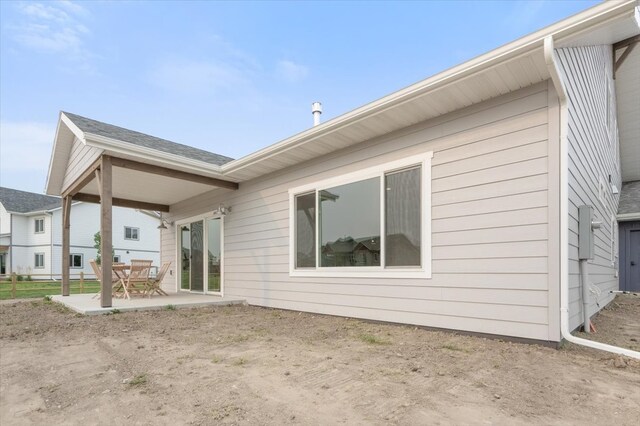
(452, 203)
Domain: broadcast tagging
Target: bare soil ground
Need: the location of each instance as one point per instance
(249, 365)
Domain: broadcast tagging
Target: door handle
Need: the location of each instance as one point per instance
(633, 263)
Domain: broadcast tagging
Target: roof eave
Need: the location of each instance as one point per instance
(168, 159)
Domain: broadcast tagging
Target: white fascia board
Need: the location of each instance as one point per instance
(73, 203)
(63, 119)
(627, 217)
(580, 22)
(48, 190)
(114, 145)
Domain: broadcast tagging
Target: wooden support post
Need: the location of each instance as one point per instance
(66, 225)
(105, 231)
(14, 278)
(81, 282)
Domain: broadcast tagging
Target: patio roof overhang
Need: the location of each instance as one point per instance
(142, 177)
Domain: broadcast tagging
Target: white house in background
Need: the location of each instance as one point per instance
(31, 227)
(453, 203)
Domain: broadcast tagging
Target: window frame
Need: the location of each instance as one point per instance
(35, 260)
(35, 225)
(132, 228)
(424, 271)
(81, 261)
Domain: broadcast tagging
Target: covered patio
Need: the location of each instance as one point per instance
(96, 162)
(86, 304)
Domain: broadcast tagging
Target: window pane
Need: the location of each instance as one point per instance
(134, 233)
(305, 228)
(403, 218)
(350, 224)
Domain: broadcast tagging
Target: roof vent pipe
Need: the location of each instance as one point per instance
(316, 110)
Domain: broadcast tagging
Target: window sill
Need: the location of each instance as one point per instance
(350, 273)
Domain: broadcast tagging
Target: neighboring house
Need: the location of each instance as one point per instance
(466, 185)
(31, 229)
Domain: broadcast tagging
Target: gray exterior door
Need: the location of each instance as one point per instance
(629, 256)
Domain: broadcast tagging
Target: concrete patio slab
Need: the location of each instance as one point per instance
(87, 305)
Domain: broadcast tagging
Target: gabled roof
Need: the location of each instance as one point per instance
(15, 201)
(99, 128)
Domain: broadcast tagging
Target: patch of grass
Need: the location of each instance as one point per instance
(139, 380)
(216, 359)
(373, 340)
(47, 299)
(452, 347)
(239, 362)
(170, 307)
(33, 289)
(115, 311)
(239, 338)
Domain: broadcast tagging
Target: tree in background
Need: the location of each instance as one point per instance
(97, 239)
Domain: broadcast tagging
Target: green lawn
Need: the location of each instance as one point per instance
(27, 289)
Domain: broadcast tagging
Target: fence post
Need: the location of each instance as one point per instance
(13, 285)
(81, 282)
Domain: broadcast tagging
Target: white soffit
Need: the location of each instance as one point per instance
(149, 188)
(628, 108)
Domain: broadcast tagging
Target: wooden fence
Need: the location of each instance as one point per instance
(76, 281)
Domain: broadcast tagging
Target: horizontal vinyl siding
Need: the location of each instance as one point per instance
(489, 226)
(592, 157)
(81, 157)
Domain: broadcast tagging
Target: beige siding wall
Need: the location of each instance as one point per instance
(592, 158)
(80, 157)
(489, 227)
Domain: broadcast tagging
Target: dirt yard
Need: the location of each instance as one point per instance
(248, 365)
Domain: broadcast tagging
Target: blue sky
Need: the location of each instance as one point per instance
(228, 77)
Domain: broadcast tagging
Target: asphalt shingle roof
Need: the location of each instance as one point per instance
(17, 201)
(629, 198)
(136, 138)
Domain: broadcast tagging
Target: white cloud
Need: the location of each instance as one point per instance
(25, 148)
(219, 67)
(53, 27)
(191, 77)
(290, 71)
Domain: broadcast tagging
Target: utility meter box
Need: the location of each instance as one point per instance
(585, 232)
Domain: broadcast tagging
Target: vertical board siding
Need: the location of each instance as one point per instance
(80, 158)
(592, 157)
(489, 226)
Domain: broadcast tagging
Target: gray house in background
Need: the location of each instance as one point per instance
(455, 200)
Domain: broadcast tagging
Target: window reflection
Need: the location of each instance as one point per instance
(350, 224)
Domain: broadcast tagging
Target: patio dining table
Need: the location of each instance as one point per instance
(132, 281)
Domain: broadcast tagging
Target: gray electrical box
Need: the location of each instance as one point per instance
(586, 225)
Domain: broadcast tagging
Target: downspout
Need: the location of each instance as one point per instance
(554, 71)
(11, 243)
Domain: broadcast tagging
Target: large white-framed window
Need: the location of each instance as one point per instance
(375, 222)
(39, 225)
(131, 233)
(76, 261)
(38, 260)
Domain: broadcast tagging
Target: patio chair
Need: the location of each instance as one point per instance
(154, 284)
(138, 279)
(116, 282)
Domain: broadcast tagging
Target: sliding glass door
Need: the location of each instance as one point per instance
(200, 251)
